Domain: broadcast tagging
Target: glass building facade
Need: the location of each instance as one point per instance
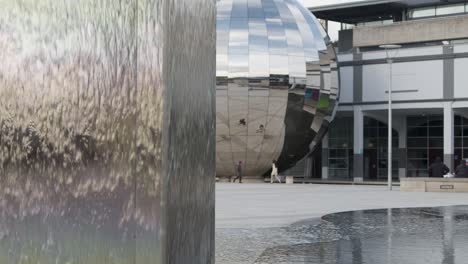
(434, 11)
(425, 142)
(340, 151)
(461, 139)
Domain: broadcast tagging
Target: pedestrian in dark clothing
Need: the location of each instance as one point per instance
(462, 170)
(438, 169)
(239, 172)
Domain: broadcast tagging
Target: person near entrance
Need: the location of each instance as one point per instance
(274, 172)
(239, 172)
(462, 170)
(438, 169)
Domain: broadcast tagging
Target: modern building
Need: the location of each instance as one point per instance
(430, 81)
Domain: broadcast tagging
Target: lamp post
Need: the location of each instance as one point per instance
(390, 62)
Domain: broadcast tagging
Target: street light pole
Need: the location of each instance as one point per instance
(389, 153)
(390, 134)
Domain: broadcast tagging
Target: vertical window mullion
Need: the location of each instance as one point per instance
(428, 138)
(462, 133)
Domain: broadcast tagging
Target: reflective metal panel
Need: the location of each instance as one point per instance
(281, 88)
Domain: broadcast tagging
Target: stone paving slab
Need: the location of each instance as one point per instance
(253, 217)
(278, 205)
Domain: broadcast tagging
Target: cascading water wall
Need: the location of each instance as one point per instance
(107, 131)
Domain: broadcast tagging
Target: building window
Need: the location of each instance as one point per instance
(442, 10)
(340, 152)
(422, 12)
(376, 23)
(461, 139)
(345, 26)
(450, 9)
(425, 142)
(376, 150)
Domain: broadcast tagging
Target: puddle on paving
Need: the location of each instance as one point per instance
(384, 236)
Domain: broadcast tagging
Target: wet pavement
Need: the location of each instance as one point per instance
(383, 236)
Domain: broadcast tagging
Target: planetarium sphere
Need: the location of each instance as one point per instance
(277, 85)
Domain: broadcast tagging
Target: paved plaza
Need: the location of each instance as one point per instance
(252, 218)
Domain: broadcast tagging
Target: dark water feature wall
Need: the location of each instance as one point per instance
(106, 130)
(189, 155)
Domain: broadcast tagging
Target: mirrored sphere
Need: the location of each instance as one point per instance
(277, 85)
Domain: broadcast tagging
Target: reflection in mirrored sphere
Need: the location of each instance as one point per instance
(277, 84)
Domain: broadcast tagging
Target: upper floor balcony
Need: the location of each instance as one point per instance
(414, 31)
(377, 22)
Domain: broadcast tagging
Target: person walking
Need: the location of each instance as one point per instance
(239, 172)
(438, 169)
(462, 170)
(274, 172)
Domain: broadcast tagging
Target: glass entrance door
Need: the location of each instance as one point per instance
(376, 150)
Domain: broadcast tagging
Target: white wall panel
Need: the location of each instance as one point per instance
(425, 51)
(461, 48)
(461, 78)
(346, 87)
(425, 76)
(345, 57)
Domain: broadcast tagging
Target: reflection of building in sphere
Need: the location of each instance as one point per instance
(277, 84)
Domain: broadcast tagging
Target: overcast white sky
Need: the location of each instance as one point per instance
(333, 27)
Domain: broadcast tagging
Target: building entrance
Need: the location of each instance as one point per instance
(370, 164)
(375, 150)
